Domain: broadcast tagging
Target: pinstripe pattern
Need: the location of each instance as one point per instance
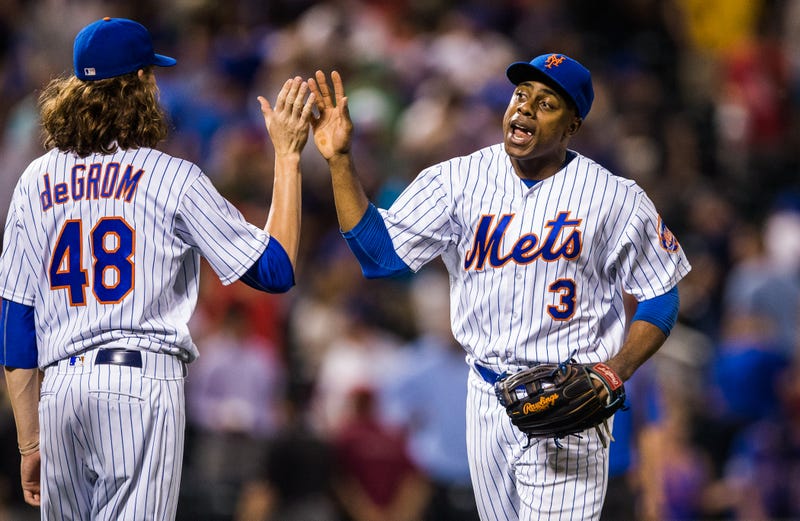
(107, 249)
(105, 429)
(500, 314)
(535, 273)
(513, 480)
(177, 215)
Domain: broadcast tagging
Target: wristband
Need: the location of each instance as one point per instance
(29, 448)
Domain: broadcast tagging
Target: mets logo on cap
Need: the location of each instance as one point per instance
(554, 60)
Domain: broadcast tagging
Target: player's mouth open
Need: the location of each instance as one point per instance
(519, 134)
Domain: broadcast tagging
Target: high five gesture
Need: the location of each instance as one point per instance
(333, 134)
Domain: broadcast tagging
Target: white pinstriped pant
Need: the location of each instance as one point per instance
(541, 482)
(112, 439)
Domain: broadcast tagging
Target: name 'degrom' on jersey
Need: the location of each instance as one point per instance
(97, 181)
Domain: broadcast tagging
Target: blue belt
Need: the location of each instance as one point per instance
(118, 356)
(488, 375)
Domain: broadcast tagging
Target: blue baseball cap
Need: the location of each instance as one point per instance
(561, 72)
(112, 47)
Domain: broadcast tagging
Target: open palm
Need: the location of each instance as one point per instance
(287, 123)
(333, 128)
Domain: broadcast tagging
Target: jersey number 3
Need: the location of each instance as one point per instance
(112, 245)
(565, 308)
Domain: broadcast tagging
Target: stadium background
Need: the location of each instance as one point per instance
(697, 100)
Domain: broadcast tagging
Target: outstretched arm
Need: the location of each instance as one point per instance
(333, 133)
(288, 127)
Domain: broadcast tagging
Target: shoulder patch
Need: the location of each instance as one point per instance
(666, 238)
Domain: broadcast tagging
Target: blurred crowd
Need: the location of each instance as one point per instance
(344, 399)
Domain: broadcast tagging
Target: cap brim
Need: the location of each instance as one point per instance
(164, 61)
(519, 72)
(524, 71)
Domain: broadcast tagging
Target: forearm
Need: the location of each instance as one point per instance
(23, 390)
(283, 221)
(642, 342)
(348, 193)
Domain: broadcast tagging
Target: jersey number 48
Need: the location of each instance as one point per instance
(112, 244)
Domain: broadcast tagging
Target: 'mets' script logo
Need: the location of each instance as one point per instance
(562, 241)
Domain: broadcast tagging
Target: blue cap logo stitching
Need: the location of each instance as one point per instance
(554, 60)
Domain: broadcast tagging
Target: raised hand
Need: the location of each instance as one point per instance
(288, 122)
(333, 128)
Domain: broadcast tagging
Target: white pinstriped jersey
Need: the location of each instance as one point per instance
(107, 248)
(535, 272)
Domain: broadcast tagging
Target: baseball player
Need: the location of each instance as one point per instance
(99, 276)
(540, 243)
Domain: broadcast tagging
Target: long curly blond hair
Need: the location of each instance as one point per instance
(86, 117)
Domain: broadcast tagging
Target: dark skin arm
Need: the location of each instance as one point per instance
(333, 133)
(642, 342)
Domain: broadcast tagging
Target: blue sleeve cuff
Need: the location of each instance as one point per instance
(18, 336)
(272, 272)
(370, 242)
(661, 311)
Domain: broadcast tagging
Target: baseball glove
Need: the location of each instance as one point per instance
(556, 400)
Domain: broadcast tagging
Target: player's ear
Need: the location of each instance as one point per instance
(574, 125)
(146, 75)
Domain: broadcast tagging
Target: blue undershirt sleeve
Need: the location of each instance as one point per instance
(18, 336)
(661, 311)
(272, 272)
(370, 242)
